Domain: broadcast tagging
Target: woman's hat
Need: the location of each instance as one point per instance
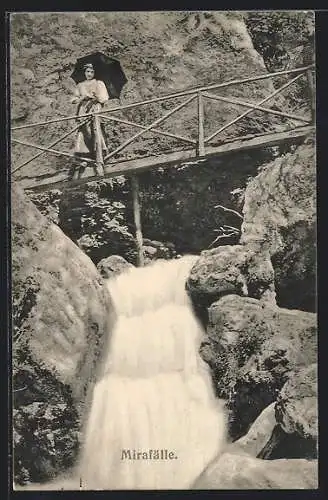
(88, 66)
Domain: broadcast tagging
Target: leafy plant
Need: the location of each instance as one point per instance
(103, 227)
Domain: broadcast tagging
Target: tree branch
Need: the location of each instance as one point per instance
(230, 210)
(221, 236)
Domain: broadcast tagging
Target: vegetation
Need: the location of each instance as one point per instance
(277, 33)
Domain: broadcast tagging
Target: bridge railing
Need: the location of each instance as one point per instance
(200, 94)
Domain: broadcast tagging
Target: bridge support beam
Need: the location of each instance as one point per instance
(311, 87)
(99, 155)
(137, 218)
(200, 143)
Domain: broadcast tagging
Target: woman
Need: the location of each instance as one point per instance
(90, 95)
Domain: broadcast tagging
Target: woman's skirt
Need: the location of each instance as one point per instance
(85, 145)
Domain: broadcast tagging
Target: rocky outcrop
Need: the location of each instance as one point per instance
(296, 432)
(113, 266)
(231, 269)
(252, 348)
(154, 250)
(278, 231)
(259, 433)
(234, 471)
(296, 408)
(280, 217)
(288, 427)
(62, 319)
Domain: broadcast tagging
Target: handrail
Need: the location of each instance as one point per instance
(49, 150)
(270, 96)
(200, 93)
(172, 96)
(211, 87)
(155, 130)
(61, 138)
(152, 125)
(245, 104)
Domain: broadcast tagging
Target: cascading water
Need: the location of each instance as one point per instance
(154, 392)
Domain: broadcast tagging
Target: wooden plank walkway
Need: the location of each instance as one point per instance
(60, 180)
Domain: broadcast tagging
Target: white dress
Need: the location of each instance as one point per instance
(94, 95)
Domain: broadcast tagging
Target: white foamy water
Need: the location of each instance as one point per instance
(154, 392)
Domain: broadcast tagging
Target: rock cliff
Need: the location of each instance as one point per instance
(261, 342)
(62, 318)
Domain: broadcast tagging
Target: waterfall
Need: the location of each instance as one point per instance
(154, 397)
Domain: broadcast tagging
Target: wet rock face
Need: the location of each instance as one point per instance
(253, 348)
(62, 320)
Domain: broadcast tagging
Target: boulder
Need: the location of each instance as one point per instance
(113, 266)
(296, 408)
(62, 318)
(296, 434)
(280, 217)
(259, 433)
(154, 250)
(230, 269)
(234, 471)
(252, 348)
(276, 254)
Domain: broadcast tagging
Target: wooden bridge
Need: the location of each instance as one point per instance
(199, 148)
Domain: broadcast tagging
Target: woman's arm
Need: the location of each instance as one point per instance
(102, 94)
(77, 96)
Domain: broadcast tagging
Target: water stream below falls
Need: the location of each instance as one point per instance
(155, 392)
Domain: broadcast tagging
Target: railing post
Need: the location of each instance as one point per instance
(137, 218)
(310, 82)
(99, 155)
(200, 143)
